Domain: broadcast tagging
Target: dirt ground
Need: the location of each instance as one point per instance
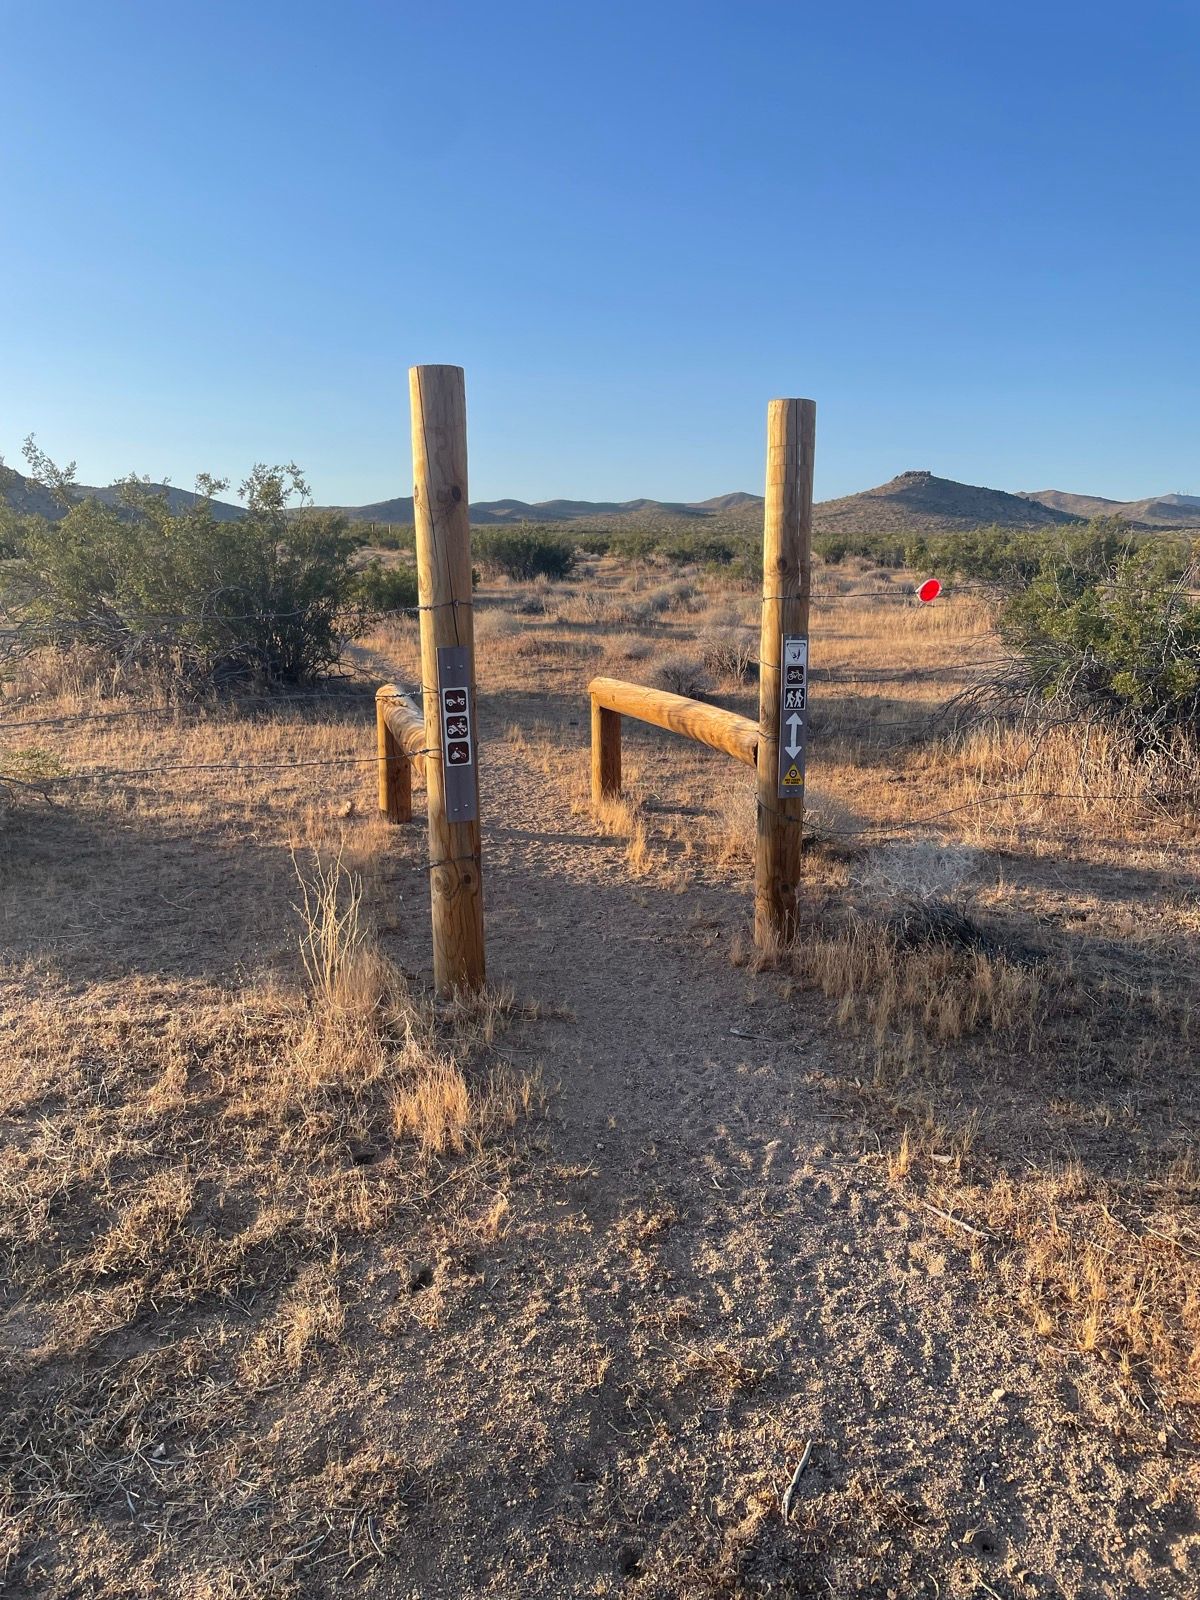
(706, 1218)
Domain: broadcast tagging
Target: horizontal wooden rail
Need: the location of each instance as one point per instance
(400, 745)
(613, 699)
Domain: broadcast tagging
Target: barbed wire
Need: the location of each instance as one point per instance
(332, 697)
(128, 621)
(95, 774)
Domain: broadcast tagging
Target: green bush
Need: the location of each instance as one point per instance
(385, 535)
(1119, 640)
(269, 595)
(701, 549)
(526, 551)
(381, 588)
(592, 541)
(633, 544)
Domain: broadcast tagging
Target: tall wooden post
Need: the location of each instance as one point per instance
(439, 439)
(787, 582)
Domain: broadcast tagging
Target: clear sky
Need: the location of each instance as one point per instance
(970, 230)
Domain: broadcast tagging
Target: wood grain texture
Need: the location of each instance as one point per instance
(606, 752)
(405, 721)
(787, 583)
(439, 440)
(722, 730)
(400, 744)
(395, 768)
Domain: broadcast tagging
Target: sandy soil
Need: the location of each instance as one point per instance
(705, 1268)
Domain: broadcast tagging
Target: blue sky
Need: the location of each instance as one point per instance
(970, 231)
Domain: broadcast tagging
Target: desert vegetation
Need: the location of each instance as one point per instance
(314, 1286)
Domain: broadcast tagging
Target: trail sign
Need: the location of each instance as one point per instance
(793, 716)
(460, 778)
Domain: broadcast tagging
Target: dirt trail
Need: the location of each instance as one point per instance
(704, 1267)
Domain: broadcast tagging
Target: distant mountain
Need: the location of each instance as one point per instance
(920, 502)
(1158, 511)
(30, 498)
(177, 499)
(912, 502)
(731, 502)
(486, 513)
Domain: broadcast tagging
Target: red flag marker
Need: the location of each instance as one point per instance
(929, 590)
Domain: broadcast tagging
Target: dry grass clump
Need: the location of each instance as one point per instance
(533, 599)
(365, 1029)
(912, 954)
(881, 978)
(631, 647)
(493, 625)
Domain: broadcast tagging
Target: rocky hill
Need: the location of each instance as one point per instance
(920, 501)
(1157, 511)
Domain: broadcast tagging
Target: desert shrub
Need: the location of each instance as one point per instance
(683, 674)
(1119, 641)
(524, 552)
(269, 595)
(729, 653)
(1007, 557)
(886, 550)
(634, 544)
(678, 596)
(631, 647)
(381, 588)
(592, 541)
(385, 535)
(700, 549)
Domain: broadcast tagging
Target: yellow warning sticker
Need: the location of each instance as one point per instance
(793, 778)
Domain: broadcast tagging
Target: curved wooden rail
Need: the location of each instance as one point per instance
(400, 745)
(613, 698)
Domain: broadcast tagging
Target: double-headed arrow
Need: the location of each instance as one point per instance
(794, 724)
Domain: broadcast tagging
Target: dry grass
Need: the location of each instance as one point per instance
(237, 1129)
(880, 979)
(200, 1153)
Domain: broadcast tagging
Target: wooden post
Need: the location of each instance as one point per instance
(606, 752)
(787, 582)
(395, 769)
(439, 440)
